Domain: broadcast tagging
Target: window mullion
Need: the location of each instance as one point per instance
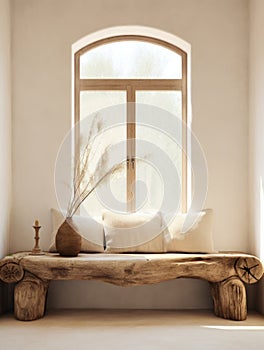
(121, 84)
(131, 148)
(184, 203)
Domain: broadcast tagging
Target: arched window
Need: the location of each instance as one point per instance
(126, 69)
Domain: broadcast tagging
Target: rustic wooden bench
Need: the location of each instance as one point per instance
(227, 274)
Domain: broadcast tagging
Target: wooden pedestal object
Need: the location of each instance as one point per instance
(226, 272)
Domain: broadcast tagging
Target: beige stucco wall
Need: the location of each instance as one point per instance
(43, 32)
(5, 124)
(256, 132)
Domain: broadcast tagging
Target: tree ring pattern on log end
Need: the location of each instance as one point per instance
(11, 272)
(249, 270)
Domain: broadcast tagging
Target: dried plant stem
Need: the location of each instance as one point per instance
(78, 200)
(85, 180)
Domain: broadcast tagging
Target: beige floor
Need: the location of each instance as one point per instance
(116, 330)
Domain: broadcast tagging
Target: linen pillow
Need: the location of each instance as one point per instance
(133, 232)
(91, 231)
(198, 239)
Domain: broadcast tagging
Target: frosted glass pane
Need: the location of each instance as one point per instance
(93, 101)
(131, 59)
(108, 107)
(170, 101)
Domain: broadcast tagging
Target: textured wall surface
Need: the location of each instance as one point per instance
(256, 132)
(5, 124)
(5, 136)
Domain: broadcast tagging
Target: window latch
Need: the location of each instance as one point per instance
(131, 161)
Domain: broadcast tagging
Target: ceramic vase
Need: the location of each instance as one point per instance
(68, 240)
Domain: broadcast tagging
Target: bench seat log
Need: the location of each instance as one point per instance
(226, 273)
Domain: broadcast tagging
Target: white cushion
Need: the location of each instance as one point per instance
(133, 232)
(198, 239)
(91, 231)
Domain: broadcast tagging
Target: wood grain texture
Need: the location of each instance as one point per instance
(137, 269)
(10, 269)
(249, 270)
(230, 301)
(30, 298)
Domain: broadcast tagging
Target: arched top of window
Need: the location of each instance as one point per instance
(131, 57)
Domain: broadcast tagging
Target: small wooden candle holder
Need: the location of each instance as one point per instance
(36, 250)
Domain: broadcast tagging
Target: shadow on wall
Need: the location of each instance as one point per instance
(261, 219)
(6, 297)
(175, 294)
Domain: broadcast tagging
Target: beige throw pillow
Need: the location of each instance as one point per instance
(91, 231)
(133, 232)
(198, 239)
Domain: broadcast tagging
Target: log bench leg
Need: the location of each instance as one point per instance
(230, 300)
(30, 298)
